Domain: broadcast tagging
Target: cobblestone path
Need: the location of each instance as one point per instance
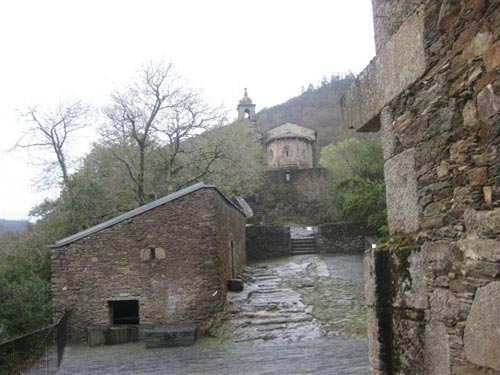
(297, 315)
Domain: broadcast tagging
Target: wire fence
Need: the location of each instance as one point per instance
(36, 353)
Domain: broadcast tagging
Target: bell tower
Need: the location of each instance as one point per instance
(246, 109)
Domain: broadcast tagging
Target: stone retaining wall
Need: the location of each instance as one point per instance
(298, 199)
(341, 238)
(267, 242)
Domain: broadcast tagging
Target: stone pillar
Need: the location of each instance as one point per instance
(433, 91)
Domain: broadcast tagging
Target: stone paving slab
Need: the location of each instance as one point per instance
(277, 325)
(328, 356)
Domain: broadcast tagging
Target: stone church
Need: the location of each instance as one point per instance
(165, 262)
(293, 187)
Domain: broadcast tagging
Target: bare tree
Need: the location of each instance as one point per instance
(49, 134)
(156, 111)
(186, 153)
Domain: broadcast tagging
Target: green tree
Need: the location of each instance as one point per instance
(356, 169)
(24, 282)
(239, 169)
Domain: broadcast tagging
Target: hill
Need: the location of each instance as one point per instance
(316, 108)
(10, 226)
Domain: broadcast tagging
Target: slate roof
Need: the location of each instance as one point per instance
(288, 135)
(139, 210)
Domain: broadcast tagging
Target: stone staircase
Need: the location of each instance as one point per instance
(303, 240)
(302, 246)
(268, 310)
(259, 215)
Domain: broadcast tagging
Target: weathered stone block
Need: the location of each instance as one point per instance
(482, 222)
(374, 349)
(492, 57)
(481, 249)
(458, 151)
(411, 292)
(479, 45)
(393, 70)
(437, 351)
(444, 306)
(388, 137)
(478, 176)
(370, 279)
(469, 114)
(408, 344)
(448, 14)
(443, 257)
(482, 329)
(488, 104)
(461, 286)
(479, 269)
(401, 192)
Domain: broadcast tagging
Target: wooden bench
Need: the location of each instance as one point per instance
(112, 335)
(182, 334)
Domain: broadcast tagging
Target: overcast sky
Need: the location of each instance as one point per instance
(53, 51)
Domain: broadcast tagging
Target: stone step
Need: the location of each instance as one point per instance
(304, 246)
(304, 252)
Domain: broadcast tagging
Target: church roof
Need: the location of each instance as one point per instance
(288, 134)
(291, 130)
(246, 99)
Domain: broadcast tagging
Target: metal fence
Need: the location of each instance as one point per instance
(36, 353)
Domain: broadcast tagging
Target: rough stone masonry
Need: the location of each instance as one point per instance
(433, 92)
(199, 243)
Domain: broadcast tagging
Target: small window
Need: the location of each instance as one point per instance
(124, 312)
(152, 253)
(286, 150)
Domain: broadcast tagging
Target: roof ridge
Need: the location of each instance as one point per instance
(139, 210)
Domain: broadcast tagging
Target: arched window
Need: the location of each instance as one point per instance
(286, 151)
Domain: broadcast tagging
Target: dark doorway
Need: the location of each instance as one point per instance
(233, 273)
(124, 312)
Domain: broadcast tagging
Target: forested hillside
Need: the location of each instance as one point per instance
(316, 108)
(11, 226)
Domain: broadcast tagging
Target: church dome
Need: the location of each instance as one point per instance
(246, 99)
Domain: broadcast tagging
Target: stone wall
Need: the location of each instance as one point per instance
(437, 281)
(231, 241)
(267, 242)
(180, 284)
(289, 153)
(300, 200)
(341, 238)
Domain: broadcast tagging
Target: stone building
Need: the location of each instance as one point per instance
(165, 262)
(290, 146)
(433, 92)
(246, 108)
(293, 189)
